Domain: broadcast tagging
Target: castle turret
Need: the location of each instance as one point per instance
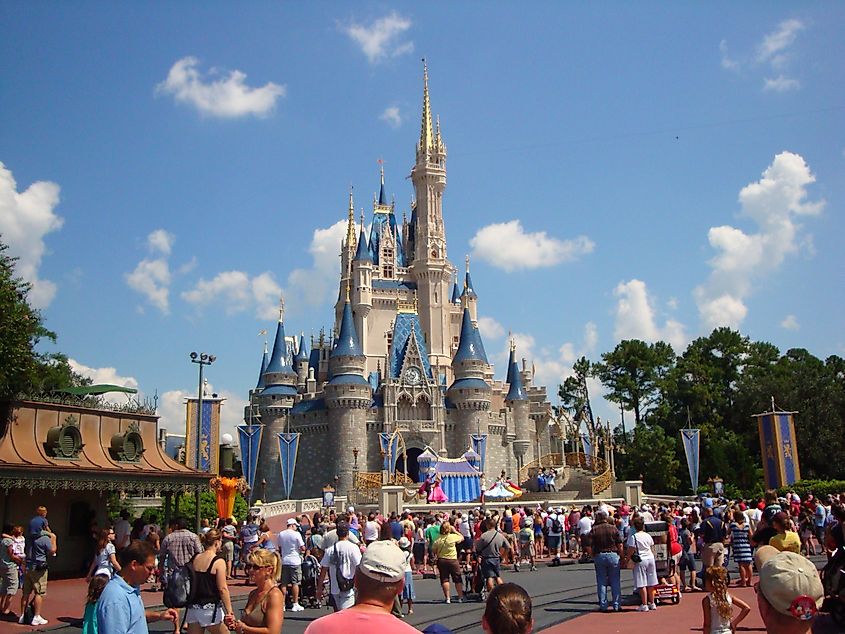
(469, 393)
(300, 363)
(348, 396)
(362, 284)
(469, 298)
(517, 402)
(274, 402)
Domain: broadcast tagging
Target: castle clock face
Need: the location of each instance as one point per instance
(413, 376)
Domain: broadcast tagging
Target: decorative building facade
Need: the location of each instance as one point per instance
(405, 355)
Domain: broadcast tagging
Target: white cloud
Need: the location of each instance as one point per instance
(507, 246)
(727, 62)
(774, 203)
(25, 219)
(225, 97)
(790, 322)
(237, 291)
(151, 277)
(105, 375)
(672, 303)
(635, 318)
(780, 84)
(391, 116)
(160, 241)
(318, 284)
(490, 328)
(381, 39)
(774, 45)
(172, 412)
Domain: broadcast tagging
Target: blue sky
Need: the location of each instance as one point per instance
(618, 170)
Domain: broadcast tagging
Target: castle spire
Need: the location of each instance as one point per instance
(469, 291)
(347, 344)
(426, 136)
(382, 199)
(470, 346)
(350, 226)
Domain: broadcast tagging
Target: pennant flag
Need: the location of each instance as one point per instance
(588, 449)
(691, 438)
(288, 446)
(249, 439)
(389, 444)
(479, 446)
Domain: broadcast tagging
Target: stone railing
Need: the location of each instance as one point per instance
(287, 507)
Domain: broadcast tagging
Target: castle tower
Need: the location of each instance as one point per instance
(430, 267)
(469, 393)
(517, 402)
(274, 403)
(469, 298)
(300, 363)
(348, 396)
(347, 254)
(362, 284)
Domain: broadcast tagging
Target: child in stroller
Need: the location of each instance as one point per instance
(474, 585)
(310, 578)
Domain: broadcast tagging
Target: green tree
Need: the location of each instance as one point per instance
(633, 372)
(652, 455)
(208, 506)
(23, 370)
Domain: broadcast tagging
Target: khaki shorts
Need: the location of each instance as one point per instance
(292, 575)
(9, 580)
(35, 581)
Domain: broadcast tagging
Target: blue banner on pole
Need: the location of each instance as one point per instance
(249, 439)
(588, 449)
(389, 444)
(691, 440)
(479, 446)
(288, 446)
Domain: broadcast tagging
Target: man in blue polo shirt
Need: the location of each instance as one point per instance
(120, 609)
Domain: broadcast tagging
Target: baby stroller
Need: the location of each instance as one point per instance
(310, 579)
(474, 587)
(833, 580)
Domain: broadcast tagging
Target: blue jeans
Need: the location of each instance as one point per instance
(607, 571)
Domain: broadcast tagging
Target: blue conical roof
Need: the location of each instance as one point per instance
(516, 392)
(469, 291)
(362, 253)
(470, 347)
(511, 366)
(382, 199)
(456, 297)
(347, 344)
(261, 385)
(301, 354)
(279, 359)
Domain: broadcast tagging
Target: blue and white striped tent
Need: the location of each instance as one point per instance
(459, 479)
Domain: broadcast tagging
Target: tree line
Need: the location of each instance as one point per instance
(716, 385)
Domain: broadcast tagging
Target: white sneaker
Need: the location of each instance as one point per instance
(449, 600)
(39, 620)
(642, 608)
(20, 619)
(297, 608)
(652, 606)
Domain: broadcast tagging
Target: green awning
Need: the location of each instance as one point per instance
(91, 390)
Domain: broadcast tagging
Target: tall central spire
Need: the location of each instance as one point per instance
(350, 225)
(426, 134)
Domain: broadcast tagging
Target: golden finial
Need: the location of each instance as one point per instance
(281, 308)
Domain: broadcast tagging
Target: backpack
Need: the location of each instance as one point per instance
(181, 587)
(557, 527)
(343, 584)
(29, 613)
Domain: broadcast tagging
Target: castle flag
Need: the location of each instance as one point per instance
(691, 439)
(390, 450)
(249, 439)
(779, 448)
(288, 446)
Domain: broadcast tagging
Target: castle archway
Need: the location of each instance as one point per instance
(413, 467)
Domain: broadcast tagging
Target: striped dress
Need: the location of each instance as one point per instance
(740, 544)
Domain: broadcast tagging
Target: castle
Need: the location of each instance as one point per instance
(405, 355)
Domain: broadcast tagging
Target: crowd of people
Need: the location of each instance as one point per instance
(364, 565)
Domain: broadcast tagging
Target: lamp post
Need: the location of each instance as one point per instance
(202, 359)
